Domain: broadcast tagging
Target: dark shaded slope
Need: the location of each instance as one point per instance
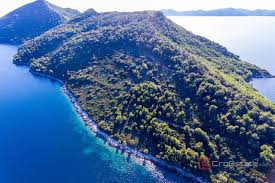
(156, 86)
(32, 20)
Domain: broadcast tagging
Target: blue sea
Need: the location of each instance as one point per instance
(252, 38)
(42, 139)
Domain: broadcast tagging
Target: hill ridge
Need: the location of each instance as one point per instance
(31, 20)
(155, 86)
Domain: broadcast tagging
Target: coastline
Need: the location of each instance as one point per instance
(263, 86)
(114, 143)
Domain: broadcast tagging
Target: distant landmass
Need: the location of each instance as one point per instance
(156, 87)
(220, 12)
(31, 20)
(153, 85)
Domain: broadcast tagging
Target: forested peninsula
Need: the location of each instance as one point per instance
(156, 86)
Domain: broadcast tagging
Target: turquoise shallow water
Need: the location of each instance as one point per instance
(252, 38)
(42, 139)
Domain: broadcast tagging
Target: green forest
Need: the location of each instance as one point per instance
(157, 87)
(32, 20)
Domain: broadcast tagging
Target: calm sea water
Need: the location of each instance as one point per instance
(42, 140)
(252, 38)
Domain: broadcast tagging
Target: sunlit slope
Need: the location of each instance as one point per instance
(155, 86)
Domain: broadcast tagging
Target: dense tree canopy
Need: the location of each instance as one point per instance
(156, 86)
(32, 20)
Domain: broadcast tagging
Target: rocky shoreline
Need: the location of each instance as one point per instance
(112, 142)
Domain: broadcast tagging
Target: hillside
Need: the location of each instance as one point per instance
(31, 20)
(220, 12)
(155, 86)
